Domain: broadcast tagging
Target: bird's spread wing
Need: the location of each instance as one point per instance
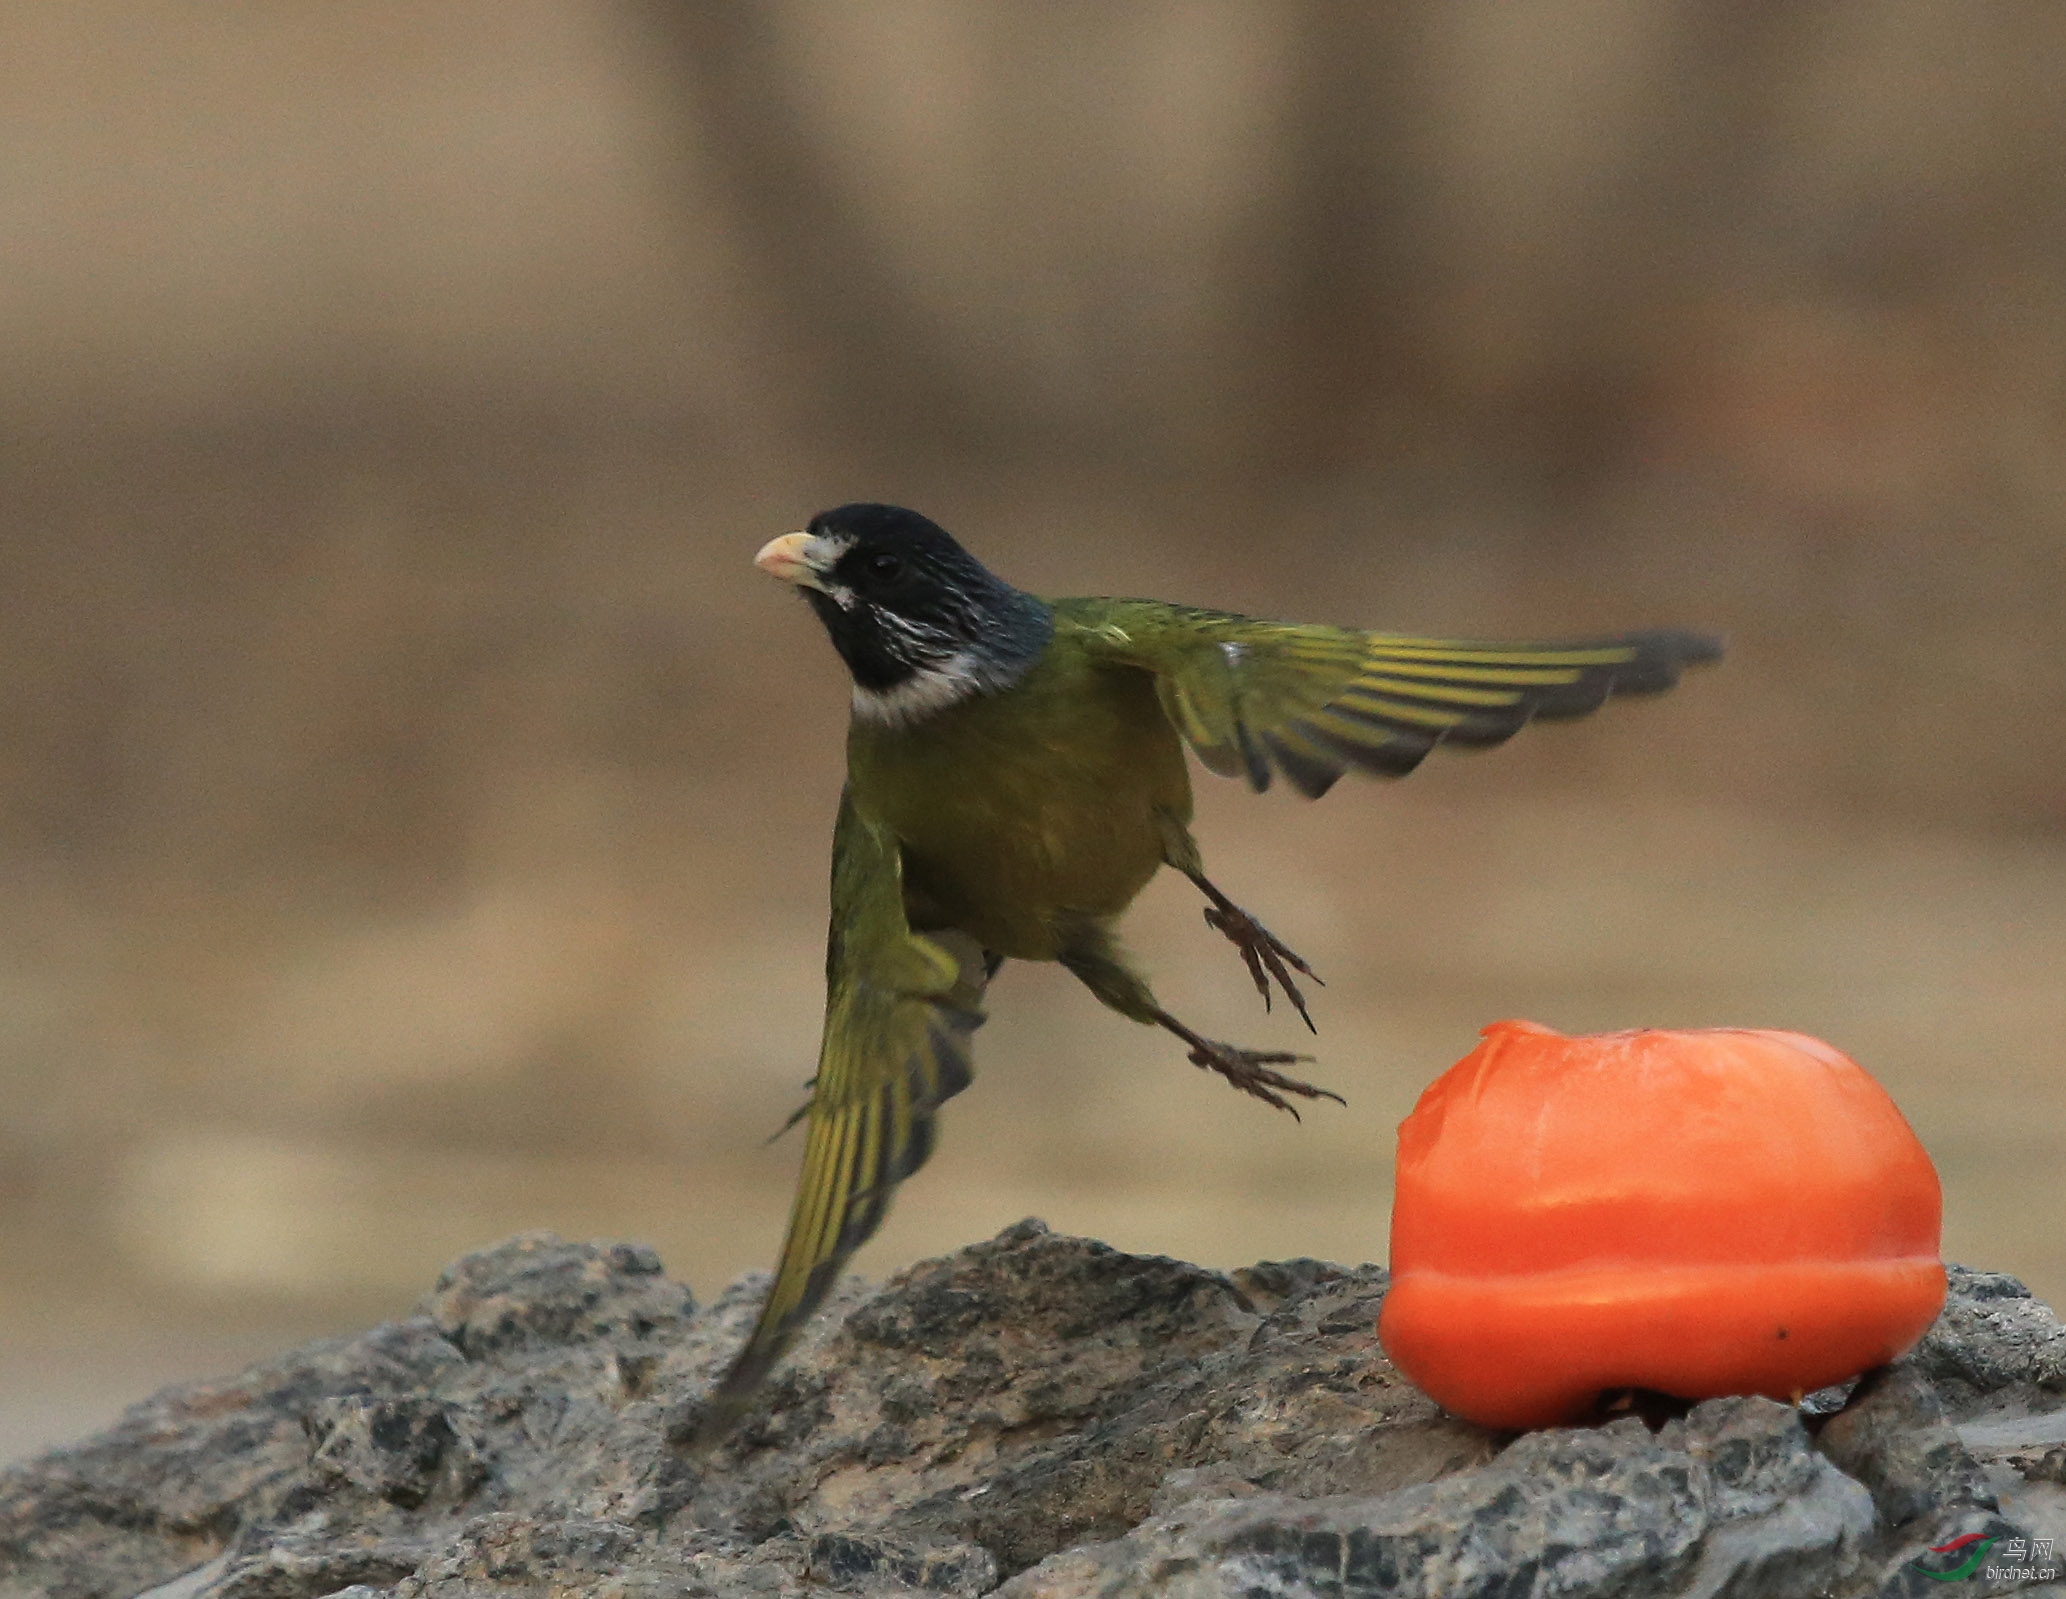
(1252, 696)
(899, 1009)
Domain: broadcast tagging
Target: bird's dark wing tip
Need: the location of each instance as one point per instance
(1311, 775)
(1682, 647)
(700, 1425)
(1660, 656)
(708, 1422)
(1255, 766)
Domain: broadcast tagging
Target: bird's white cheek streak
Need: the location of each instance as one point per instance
(930, 689)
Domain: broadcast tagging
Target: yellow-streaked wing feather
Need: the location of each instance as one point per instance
(899, 1010)
(1253, 697)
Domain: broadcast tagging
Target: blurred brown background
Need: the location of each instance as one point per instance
(414, 808)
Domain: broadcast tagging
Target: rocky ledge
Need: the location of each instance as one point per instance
(1038, 1412)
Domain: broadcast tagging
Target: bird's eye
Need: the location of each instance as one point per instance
(884, 565)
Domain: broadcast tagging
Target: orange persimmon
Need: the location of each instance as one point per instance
(1722, 1211)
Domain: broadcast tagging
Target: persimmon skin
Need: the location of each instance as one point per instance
(1700, 1213)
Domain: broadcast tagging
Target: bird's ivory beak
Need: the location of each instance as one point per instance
(785, 558)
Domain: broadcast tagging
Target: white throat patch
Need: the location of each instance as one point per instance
(930, 689)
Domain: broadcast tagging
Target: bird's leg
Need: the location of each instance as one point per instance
(1248, 1069)
(1098, 965)
(1260, 948)
(1265, 955)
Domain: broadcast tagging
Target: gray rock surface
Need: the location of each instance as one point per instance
(1993, 1340)
(1893, 1437)
(1037, 1412)
(1731, 1500)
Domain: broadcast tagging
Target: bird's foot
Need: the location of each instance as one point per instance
(1248, 1069)
(1265, 955)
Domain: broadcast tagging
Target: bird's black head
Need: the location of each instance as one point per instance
(919, 621)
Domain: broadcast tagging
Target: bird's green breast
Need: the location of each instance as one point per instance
(1025, 812)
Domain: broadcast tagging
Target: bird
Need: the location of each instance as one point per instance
(1015, 776)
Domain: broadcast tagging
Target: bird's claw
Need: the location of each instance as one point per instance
(1249, 1071)
(1265, 955)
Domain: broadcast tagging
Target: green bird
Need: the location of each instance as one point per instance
(1016, 775)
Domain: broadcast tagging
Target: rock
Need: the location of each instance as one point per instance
(1993, 1341)
(1893, 1438)
(2023, 1460)
(843, 1561)
(502, 1556)
(1926, 1488)
(1913, 1570)
(181, 1474)
(1035, 1411)
(1730, 1501)
(535, 1292)
(397, 1449)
